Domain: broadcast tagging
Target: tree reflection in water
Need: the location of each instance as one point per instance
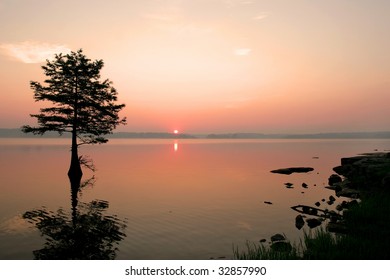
(85, 233)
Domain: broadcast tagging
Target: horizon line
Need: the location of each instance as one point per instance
(17, 133)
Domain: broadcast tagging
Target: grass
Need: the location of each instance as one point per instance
(368, 237)
(258, 251)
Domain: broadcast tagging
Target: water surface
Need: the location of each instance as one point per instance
(180, 199)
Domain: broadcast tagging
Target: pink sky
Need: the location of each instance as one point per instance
(211, 65)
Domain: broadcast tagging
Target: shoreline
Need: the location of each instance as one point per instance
(358, 231)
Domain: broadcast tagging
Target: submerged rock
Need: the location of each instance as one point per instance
(290, 170)
(313, 222)
(310, 210)
(299, 222)
(278, 237)
(281, 246)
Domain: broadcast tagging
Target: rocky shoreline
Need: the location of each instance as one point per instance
(365, 172)
(358, 228)
(356, 177)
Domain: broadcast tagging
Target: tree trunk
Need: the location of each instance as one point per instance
(75, 173)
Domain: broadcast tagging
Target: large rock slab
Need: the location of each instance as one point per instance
(366, 170)
(290, 170)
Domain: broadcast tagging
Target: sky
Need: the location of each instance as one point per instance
(202, 66)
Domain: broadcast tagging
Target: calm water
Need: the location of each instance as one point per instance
(178, 199)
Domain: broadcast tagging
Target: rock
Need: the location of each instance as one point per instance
(333, 216)
(342, 170)
(333, 179)
(336, 227)
(263, 240)
(306, 209)
(304, 185)
(281, 246)
(347, 192)
(299, 222)
(267, 202)
(313, 222)
(366, 170)
(348, 205)
(277, 237)
(332, 188)
(290, 170)
(309, 210)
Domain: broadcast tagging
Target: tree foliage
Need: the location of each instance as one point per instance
(81, 103)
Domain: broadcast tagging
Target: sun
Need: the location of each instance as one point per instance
(175, 131)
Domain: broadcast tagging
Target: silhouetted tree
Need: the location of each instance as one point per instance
(83, 105)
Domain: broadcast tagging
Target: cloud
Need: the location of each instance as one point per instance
(261, 16)
(33, 52)
(242, 51)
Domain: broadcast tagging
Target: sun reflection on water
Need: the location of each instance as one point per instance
(175, 146)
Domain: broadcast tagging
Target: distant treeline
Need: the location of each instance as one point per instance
(148, 135)
(17, 133)
(336, 135)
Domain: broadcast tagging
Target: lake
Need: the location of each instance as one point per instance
(170, 199)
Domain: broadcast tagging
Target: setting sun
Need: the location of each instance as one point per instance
(175, 131)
